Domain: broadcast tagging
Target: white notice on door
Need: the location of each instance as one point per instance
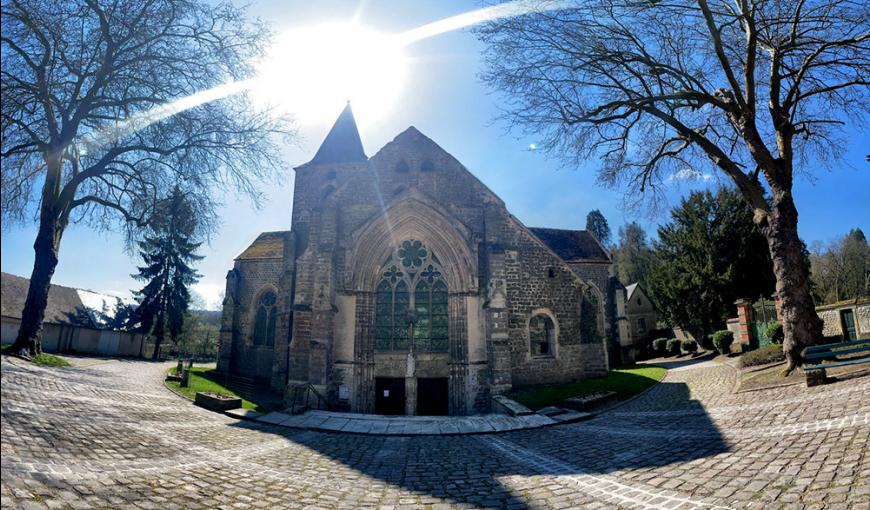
(386, 393)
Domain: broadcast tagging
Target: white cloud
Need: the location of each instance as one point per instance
(211, 293)
(688, 174)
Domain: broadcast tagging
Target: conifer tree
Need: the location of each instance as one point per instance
(168, 253)
(597, 224)
(708, 256)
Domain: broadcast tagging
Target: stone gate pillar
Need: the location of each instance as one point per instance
(744, 316)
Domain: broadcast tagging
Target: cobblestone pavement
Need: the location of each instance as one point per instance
(108, 435)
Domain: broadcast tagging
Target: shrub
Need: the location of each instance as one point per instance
(774, 332)
(674, 347)
(704, 342)
(722, 341)
(689, 345)
(659, 345)
(762, 356)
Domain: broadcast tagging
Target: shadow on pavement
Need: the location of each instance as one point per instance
(468, 469)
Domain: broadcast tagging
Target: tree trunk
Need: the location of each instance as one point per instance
(46, 246)
(155, 356)
(800, 323)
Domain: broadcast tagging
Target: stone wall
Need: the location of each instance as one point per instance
(831, 315)
(255, 277)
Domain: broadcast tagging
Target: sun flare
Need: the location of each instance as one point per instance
(311, 72)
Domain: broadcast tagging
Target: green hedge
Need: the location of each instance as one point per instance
(763, 356)
(660, 345)
(722, 341)
(674, 347)
(689, 346)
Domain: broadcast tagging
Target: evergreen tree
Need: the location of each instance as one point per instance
(633, 255)
(168, 253)
(597, 224)
(707, 257)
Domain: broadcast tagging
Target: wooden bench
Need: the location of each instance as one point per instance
(834, 353)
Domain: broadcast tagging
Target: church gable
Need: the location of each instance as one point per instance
(413, 160)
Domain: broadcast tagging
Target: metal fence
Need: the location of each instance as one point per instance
(764, 313)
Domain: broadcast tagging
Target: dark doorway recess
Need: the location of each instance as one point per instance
(432, 396)
(389, 395)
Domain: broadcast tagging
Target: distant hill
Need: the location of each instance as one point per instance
(210, 317)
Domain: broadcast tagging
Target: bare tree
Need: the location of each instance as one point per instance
(754, 89)
(81, 82)
(841, 270)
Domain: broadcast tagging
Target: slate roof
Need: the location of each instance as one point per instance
(342, 144)
(66, 305)
(268, 245)
(572, 245)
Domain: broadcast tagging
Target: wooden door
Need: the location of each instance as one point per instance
(390, 395)
(849, 331)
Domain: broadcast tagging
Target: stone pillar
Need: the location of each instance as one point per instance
(410, 385)
(228, 323)
(498, 342)
(744, 316)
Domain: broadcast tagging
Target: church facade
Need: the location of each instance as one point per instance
(406, 287)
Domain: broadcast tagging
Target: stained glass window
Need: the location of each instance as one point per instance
(438, 339)
(411, 280)
(265, 319)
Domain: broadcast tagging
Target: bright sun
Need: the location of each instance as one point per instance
(311, 72)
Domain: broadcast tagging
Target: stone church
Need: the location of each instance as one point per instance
(405, 286)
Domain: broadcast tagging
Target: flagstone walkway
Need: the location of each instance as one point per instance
(108, 435)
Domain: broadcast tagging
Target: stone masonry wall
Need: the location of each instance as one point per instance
(255, 277)
(832, 325)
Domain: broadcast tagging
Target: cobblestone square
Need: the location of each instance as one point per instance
(108, 435)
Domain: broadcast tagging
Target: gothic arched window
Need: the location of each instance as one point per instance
(264, 321)
(542, 336)
(411, 302)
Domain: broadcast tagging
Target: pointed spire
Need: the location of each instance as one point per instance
(342, 144)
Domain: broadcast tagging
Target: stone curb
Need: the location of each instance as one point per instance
(259, 419)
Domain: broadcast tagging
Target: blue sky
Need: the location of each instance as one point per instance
(444, 99)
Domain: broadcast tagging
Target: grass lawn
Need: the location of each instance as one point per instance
(49, 360)
(207, 379)
(625, 381)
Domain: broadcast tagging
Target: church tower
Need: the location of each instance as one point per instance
(315, 234)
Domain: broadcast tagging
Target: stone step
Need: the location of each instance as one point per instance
(586, 402)
(552, 411)
(512, 407)
(243, 414)
(571, 416)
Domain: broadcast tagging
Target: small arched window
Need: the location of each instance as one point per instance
(542, 336)
(265, 319)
